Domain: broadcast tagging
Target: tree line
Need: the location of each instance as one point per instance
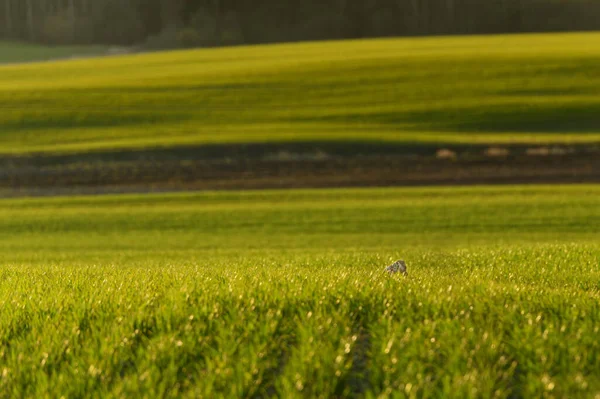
(188, 23)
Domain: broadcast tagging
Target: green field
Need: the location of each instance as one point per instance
(283, 293)
(16, 52)
(494, 89)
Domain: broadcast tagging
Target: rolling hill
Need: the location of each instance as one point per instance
(446, 90)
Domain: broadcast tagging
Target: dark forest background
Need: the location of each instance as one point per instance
(190, 23)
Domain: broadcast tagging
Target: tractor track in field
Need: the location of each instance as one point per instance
(170, 170)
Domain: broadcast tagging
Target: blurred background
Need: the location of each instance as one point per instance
(184, 23)
(426, 92)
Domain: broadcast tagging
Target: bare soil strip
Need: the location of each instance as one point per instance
(277, 167)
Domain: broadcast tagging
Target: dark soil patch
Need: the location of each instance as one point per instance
(287, 166)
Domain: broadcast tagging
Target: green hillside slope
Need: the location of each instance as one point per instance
(498, 89)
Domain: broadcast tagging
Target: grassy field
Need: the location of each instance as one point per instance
(494, 89)
(16, 52)
(283, 293)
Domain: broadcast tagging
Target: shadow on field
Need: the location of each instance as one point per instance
(527, 118)
(531, 118)
(42, 121)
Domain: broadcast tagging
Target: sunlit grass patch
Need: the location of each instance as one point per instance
(494, 89)
(284, 293)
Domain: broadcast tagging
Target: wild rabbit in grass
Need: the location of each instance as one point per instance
(397, 267)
